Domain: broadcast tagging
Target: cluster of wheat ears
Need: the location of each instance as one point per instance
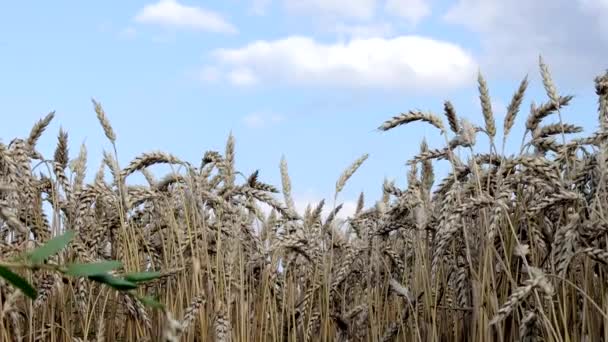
(505, 248)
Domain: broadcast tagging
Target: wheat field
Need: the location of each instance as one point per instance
(505, 248)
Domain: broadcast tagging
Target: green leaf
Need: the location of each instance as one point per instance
(52, 247)
(116, 283)
(151, 302)
(140, 277)
(91, 269)
(18, 282)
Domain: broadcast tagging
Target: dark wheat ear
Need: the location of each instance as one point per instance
(61, 152)
(412, 116)
(537, 114)
(39, 128)
(450, 114)
(360, 203)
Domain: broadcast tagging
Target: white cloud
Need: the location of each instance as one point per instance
(242, 77)
(262, 119)
(171, 13)
(406, 62)
(362, 31)
(411, 10)
(570, 34)
(357, 9)
(363, 14)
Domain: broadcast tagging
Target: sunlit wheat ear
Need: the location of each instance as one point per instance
(229, 172)
(412, 116)
(601, 90)
(486, 106)
(312, 326)
(149, 177)
(597, 254)
(265, 197)
(147, 159)
(10, 310)
(9, 304)
(12, 221)
(172, 328)
(136, 310)
(111, 163)
(286, 184)
(100, 174)
(105, 123)
(548, 82)
(412, 174)
(427, 173)
(78, 166)
(39, 128)
(386, 191)
(100, 335)
(468, 133)
(565, 243)
(221, 325)
(45, 289)
(349, 172)
(390, 189)
(192, 311)
(528, 328)
(513, 107)
(537, 280)
(308, 213)
(401, 290)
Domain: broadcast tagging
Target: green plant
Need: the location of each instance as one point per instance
(95, 271)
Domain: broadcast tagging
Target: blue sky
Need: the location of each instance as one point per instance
(308, 79)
